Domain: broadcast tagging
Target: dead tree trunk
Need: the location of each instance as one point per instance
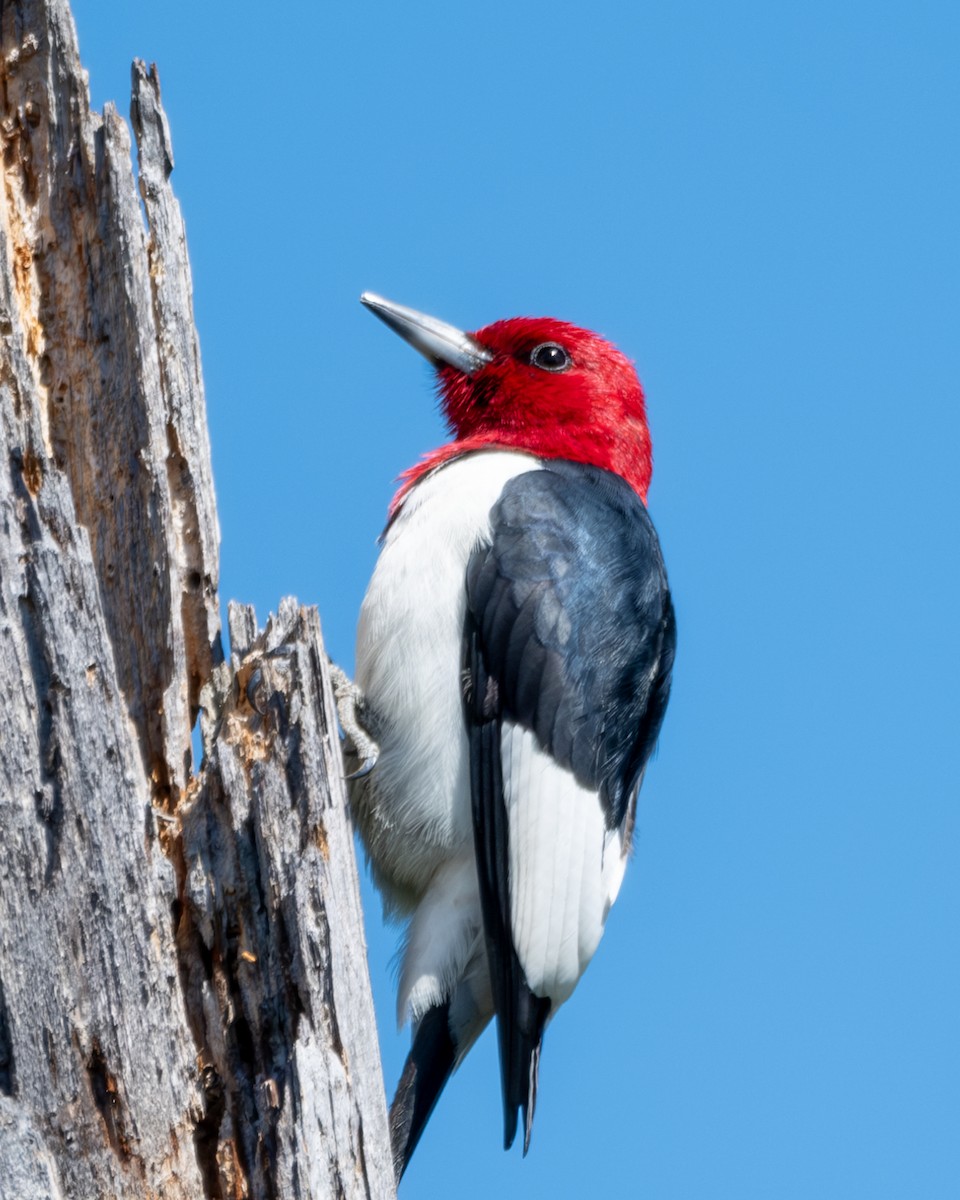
(185, 1007)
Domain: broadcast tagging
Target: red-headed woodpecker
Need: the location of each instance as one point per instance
(513, 666)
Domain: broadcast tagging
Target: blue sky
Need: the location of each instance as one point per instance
(758, 202)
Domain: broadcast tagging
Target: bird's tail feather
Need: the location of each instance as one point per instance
(521, 1036)
(426, 1071)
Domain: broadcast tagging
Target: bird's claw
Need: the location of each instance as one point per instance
(364, 769)
(350, 706)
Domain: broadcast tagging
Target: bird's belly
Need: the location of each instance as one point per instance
(414, 808)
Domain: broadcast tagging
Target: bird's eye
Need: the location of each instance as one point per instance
(548, 356)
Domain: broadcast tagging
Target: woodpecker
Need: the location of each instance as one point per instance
(514, 652)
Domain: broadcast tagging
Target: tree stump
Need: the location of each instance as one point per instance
(185, 1006)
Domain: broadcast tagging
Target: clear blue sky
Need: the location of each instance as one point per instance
(759, 202)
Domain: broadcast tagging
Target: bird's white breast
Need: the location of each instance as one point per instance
(414, 811)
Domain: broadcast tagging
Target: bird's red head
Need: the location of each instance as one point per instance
(555, 391)
(532, 384)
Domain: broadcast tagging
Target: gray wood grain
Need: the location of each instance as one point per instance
(184, 999)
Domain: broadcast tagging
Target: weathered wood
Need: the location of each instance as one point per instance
(184, 999)
(271, 901)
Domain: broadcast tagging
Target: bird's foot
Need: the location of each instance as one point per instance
(355, 721)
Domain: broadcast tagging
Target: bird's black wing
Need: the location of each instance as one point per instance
(569, 634)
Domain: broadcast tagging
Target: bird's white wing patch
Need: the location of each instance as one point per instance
(565, 866)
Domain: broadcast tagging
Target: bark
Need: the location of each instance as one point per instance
(184, 1000)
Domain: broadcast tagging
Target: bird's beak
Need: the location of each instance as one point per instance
(436, 340)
